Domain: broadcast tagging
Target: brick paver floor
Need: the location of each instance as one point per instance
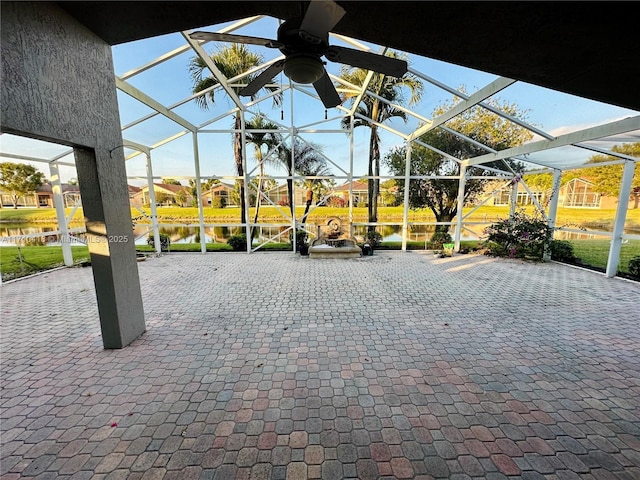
(275, 366)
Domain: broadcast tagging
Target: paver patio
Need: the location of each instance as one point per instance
(275, 366)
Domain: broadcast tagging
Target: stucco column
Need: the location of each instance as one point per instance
(58, 85)
(105, 203)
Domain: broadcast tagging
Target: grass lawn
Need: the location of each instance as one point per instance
(588, 217)
(17, 262)
(595, 253)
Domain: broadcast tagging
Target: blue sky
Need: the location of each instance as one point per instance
(170, 82)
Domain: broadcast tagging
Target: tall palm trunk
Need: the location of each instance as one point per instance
(237, 150)
(374, 167)
(376, 172)
(373, 185)
(259, 195)
(290, 171)
(308, 205)
(290, 194)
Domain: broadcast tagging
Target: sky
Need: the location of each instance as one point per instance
(170, 83)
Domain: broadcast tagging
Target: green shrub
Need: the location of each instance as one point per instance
(238, 242)
(634, 267)
(373, 238)
(165, 241)
(519, 236)
(562, 251)
(439, 238)
(219, 202)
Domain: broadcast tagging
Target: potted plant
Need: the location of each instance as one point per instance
(165, 242)
(302, 245)
(371, 240)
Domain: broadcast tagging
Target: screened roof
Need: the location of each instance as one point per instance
(158, 110)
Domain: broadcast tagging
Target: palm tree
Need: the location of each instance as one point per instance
(231, 60)
(306, 157)
(270, 140)
(314, 185)
(391, 89)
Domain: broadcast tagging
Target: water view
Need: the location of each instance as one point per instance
(39, 234)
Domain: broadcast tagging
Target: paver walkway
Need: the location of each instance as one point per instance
(275, 366)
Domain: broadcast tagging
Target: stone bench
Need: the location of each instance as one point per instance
(347, 249)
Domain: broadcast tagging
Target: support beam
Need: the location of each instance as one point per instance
(196, 162)
(180, 50)
(105, 203)
(553, 209)
(58, 203)
(71, 99)
(514, 196)
(152, 204)
(350, 173)
(614, 128)
(214, 70)
(621, 216)
(154, 104)
(481, 95)
(459, 217)
(245, 181)
(152, 192)
(407, 184)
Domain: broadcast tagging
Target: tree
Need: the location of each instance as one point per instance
(181, 197)
(441, 195)
(391, 89)
(204, 187)
(314, 186)
(607, 179)
(19, 179)
(170, 181)
(232, 60)
(269, 140)
(161, 198)
(306, 157)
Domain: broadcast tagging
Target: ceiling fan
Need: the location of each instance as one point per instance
(304, 41)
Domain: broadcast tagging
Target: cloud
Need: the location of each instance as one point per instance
(563, 130)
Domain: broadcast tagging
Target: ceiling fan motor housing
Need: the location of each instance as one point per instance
(302, 52)
(294, 41)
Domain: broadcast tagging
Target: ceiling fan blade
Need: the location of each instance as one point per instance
(327, 92)
(370, 61)
(227, 37)
(321, 16)
(262, 79)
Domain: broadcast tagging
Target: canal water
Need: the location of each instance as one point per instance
(25, 234)
(39, 234)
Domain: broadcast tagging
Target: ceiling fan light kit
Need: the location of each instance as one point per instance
(303, 42)
(303, 68)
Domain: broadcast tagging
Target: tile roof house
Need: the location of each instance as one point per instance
(166, 195)
(360, 193)
(43, 197)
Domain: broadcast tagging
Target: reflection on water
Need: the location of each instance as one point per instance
(10, 235)
(24, 234)
(562, 235)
